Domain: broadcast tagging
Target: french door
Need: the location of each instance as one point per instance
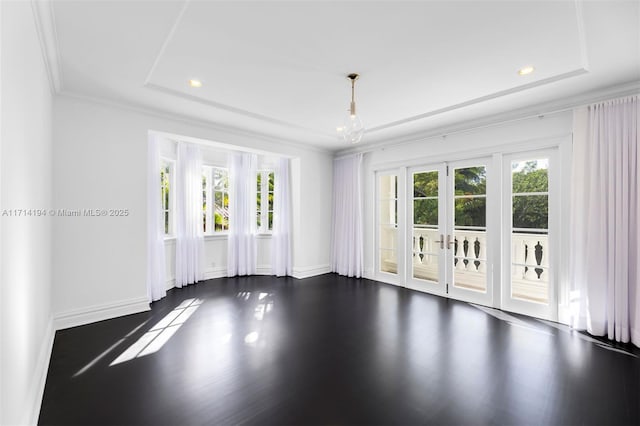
(530, 239)
(449, 240)
(482, 230)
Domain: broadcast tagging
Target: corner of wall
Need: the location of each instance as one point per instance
(310, 271)
(90, 314)
(39, 378)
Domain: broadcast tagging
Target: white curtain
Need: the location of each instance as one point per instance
(281, 237)
(241, 244)
(347, 243)
(156, 286)
(605, 228)
(189, 221)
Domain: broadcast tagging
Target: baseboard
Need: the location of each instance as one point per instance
(564, 315)
(171, 283)
(368, 274)
(76, 317)
(215, 273)
(39, 378)
(310, 271)
(263, 270)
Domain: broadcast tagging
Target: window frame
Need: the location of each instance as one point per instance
(209, 211)
(263, 226)
(169, 229)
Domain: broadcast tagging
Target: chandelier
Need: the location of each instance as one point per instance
(352, 128)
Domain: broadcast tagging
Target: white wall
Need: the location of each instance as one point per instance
(99, 162)
(25, 260)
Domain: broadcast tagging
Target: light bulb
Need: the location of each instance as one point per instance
(352, 129)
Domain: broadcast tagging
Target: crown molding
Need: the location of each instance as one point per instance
(211, 125)
(48, 36)
(547, 108)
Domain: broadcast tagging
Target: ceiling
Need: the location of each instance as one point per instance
(279, 68)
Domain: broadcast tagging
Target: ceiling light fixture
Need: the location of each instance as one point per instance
(526, 70)
(352, 128)
(195, 83)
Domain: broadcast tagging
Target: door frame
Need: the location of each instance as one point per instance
(399, 277)
(492, 209)
(427, 286)
(562, 173)
(507, 303)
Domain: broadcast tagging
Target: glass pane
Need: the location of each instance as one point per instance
(270, 221)
(271, 181)
(388, 211)
(258, 200)
(471, 181)
(166, 222)
(220, 180)
(388, 216)
(388, 261)
(530, 267)
(530, 176)
(388, 187)
(270, 199)
(425, 240)
(425, 266)
(388, 237)
(259, 180)
(258, 219)
(469, 261)
(425, 212)
(470, 212)
(425, 184)
(531, 211)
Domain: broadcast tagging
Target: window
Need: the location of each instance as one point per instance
(166, 185)
(215, 199)
(530, 230)
(264, 209)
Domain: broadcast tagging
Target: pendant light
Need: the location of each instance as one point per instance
(352, 128)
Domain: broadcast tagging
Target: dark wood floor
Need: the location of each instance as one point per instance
(333, 350)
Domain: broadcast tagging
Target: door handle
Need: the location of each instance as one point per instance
(441, 241)
(449, 242)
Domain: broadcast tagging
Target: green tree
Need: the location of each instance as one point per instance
(530, 210)
(425, 203)
(471, 211)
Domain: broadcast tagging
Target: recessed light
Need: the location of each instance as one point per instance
(526, 70)
(195, 83)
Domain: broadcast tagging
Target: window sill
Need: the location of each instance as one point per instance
(220, 236)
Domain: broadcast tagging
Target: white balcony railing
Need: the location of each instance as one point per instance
(529, 261)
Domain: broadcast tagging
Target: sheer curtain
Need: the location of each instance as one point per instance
(347, 243)
(605, 220)
(189, 234)
(281, 237)
(241, 243)
(156, 286)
